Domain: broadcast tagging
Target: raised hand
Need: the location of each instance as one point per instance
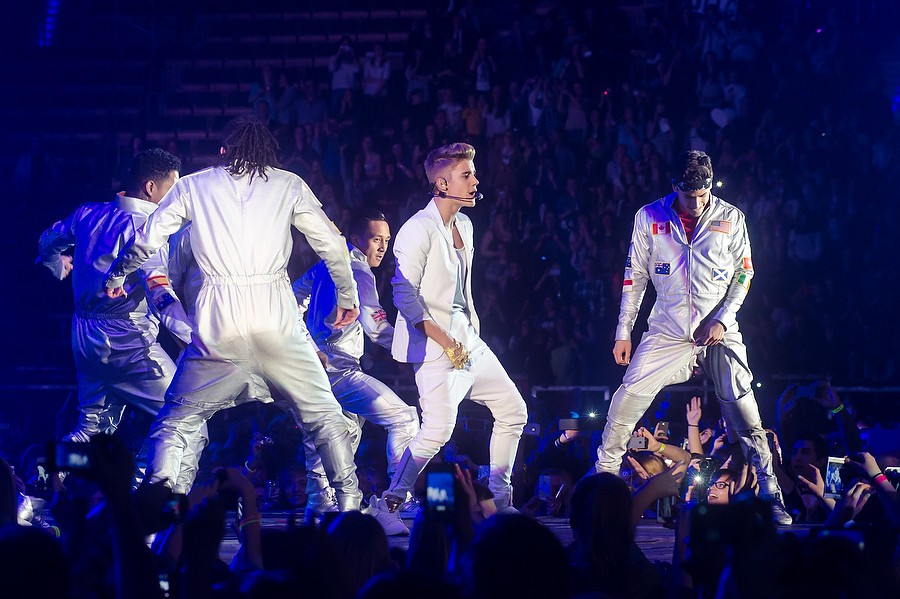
(693, 411)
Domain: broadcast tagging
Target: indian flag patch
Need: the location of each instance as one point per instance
(744, 280)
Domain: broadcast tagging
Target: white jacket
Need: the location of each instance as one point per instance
(425, 281)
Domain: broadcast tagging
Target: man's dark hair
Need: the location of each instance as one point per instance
(151, 165)
(249, 147)
(818, 443)
(696, 171)
(359, 224)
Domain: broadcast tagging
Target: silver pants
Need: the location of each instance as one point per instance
(363, 397)
(203, 385)
(441, 390)
(661, 360)
(120, 363)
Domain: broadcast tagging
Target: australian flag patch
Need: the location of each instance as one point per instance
(661, 268)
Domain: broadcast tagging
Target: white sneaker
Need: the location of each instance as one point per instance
(390, 520)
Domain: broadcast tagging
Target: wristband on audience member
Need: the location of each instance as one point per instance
(662, 448)
(694, 425)
(248, 520)
(838, 409)
(247, 467)
(879, 478)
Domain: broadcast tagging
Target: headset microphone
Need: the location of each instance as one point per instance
(477, 197)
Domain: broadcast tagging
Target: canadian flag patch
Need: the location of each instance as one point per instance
(662, 228)
(748, 263)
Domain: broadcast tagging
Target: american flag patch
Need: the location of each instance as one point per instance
(157, 281)
(748, 263)
(662, 228)
(720, 226)
(744, 280)
(661, 268)
(379, 315)
(627, 285)
(628, 262)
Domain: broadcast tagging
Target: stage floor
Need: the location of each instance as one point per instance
(655, 540)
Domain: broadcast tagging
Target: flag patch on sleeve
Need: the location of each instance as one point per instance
(628, 262)
(720, 274)
(164, 301)
(748, 263)
(720, 226)
(744, 280)
(627, 285)
(379, 315)
(158, 281)
(661, 268)
(662, 228)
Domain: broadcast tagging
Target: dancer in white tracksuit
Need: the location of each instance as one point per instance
(362, 396)
(118, 358)
(247, 325)
(437, 330)
(695, 249)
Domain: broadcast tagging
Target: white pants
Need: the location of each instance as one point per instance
(441, 389)
(661, 360)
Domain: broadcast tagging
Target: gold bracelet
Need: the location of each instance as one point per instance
(458, 355)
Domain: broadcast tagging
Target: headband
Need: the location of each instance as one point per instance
(692, 186)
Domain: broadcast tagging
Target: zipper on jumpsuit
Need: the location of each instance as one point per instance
(690, 256)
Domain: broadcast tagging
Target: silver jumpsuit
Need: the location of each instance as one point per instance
(362, 396)
(248, 328)
(118, 358)
(706, 278)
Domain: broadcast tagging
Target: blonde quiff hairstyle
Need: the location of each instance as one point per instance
(446, 156)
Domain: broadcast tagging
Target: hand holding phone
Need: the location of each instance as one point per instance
(638, 443)
(661, 431)
(439, 492)
(544, 485)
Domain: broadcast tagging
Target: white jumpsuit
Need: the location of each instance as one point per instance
(248, 328)
(362, 396)
(118, 358)
(706, 278)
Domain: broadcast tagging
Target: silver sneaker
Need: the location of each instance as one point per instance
(319, 504)
(389, 519)
(779, 513)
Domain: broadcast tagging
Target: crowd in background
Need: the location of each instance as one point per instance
(576, 123)
(575, 130)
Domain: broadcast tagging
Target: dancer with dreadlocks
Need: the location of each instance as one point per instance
(694, 248)
(247, 325)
